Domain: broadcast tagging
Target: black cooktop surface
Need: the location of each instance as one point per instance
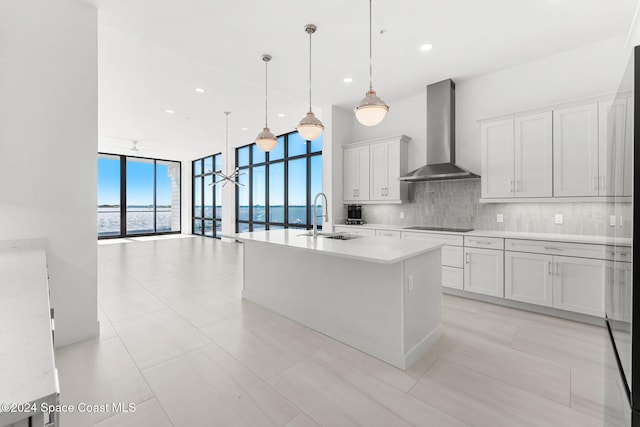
(428, 228)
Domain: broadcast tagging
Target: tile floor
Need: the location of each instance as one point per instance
(179, 342)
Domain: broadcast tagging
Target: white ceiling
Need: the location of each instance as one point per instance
(154, 53)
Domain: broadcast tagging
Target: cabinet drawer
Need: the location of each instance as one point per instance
(447, 239)
(388, 233)
(453, 256)
(483, 242)
(452, 277)
(619, 253)
(582, 250)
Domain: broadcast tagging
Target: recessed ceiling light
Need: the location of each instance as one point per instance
(426, 47)
(347, 80)
(245, 128)
(170, 111)
(200, 90)
(280, 115)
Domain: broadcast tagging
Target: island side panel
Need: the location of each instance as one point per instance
(355, 302)
(422, 305)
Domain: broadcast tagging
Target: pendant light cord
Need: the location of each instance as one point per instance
(227, 135)
(266, 105)
(310, 32)
(370, 50)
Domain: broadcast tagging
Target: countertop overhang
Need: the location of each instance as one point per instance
(362, 248)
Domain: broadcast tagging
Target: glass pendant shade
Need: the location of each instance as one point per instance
(266, 140)
(371, 109)
(310, 127)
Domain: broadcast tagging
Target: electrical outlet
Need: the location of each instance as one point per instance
(401, 215)
(410, 283)
(559, 219)
(612, 220)
(500, 218)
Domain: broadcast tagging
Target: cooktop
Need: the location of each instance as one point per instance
(425, 227)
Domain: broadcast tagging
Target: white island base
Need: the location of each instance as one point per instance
(386, 304)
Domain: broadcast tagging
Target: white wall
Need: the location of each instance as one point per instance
(48, 146)
(337, 133)
(406, 116)
(590, 70)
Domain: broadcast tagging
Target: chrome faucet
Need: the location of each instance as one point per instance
(315, 213)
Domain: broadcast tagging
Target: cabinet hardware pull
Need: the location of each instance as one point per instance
(551, 248)
(466, 258)
(549, 268)
(511, 183)
(595, 182)
(518, 186)
(482, 242)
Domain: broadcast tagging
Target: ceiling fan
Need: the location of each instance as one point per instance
(136, 145)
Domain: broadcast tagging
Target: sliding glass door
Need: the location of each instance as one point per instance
(137, 196)
(109, 207)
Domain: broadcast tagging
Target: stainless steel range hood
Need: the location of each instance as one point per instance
(441, 137)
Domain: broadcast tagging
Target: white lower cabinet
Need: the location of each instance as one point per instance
(484, 271)
(618, 286)
(452, 277)
(579, 285)
(574, 281)
(452, 256)
(528, 278)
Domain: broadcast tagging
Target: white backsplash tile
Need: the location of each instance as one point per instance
(456, 204)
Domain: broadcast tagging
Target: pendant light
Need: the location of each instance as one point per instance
(223, 177)
(266, 140)
(371, 109)
(310, 127)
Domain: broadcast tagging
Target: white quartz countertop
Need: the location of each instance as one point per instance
(572, 238)
(372, 249)
(27, 370)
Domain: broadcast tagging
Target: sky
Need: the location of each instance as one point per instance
(139, 182)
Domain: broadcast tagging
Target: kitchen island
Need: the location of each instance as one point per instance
(381, 296)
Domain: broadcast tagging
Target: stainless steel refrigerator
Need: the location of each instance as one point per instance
(622, 301)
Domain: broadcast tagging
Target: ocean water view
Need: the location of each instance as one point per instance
(139, 220)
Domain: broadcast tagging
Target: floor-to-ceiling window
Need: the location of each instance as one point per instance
(207, 196)
(279, 185)
(137, 196)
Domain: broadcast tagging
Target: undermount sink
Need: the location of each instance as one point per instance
(334, 236)
(340, 236)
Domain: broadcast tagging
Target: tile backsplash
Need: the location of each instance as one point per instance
(456, 204)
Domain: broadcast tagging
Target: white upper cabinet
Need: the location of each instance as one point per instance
(533, 151)
(372, 169)
(497, 159)
(386, 166)
(580, 149)
(614, 169)
(356, 174)
(517, 157)
(575, 151)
